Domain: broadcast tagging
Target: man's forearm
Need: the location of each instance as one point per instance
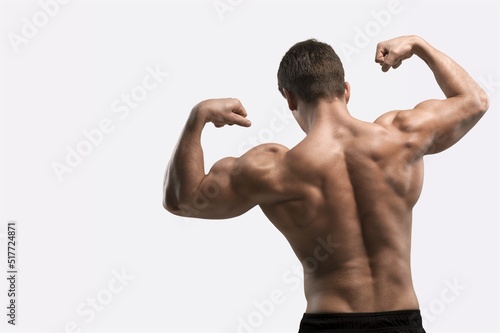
(186, 169)
(451, 77)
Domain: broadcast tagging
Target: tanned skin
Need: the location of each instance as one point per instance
(349, 184)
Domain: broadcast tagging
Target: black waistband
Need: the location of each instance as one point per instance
(316, 322)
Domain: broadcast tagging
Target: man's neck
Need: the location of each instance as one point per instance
(326, 116)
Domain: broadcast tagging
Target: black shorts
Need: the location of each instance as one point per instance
(405, 321)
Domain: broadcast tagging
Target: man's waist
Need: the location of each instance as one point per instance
(386, 321)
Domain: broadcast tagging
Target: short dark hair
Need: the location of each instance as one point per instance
(311, 70)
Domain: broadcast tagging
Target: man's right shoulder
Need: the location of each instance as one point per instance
(401, 120)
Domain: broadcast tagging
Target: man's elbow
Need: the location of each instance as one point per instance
(483, 101)
(170, 199)
(177, 207)
(477, 103)
(169, 205)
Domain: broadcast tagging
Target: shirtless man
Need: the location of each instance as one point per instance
(349, 184)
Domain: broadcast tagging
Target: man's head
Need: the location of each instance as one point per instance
(311, 70)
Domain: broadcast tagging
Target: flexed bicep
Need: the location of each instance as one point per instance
(436, 125)
(235, 185)
(219, 195)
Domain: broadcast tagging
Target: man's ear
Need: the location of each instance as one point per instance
(347, 92)
(291, 99)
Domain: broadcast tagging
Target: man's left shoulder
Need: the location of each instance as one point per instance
(264, 169)
(263, 159)
(269, 148)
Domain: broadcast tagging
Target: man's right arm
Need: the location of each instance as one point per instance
(435, 125)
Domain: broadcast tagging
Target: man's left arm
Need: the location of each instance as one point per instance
(188, 191)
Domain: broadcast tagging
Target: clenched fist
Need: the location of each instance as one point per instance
(392, 52)
(222, 111)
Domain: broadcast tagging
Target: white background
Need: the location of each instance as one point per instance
(205, 276)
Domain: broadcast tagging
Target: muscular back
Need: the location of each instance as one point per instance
(348, 218)
(343, 197)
